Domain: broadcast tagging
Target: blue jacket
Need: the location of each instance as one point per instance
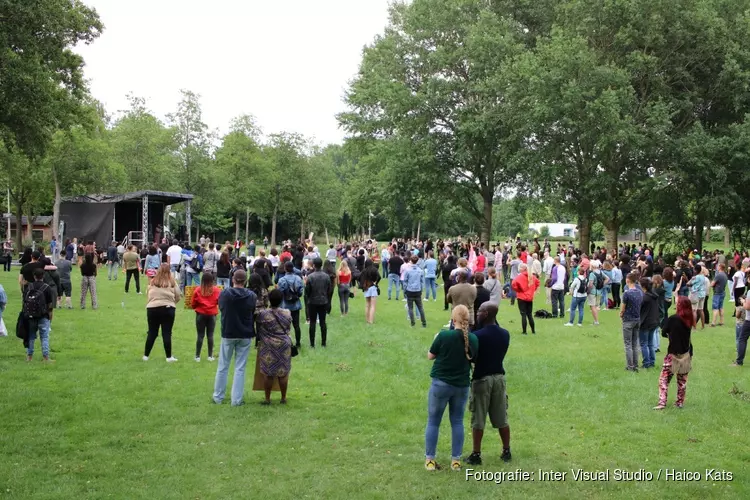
(237, 306)
(430, 268)
(414, 279)
(291, 282)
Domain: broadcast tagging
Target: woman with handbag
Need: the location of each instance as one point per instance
(275, 349)
(679, 353)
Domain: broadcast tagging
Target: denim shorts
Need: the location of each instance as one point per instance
(718, 302)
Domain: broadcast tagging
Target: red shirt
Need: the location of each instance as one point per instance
(521, 286)
(524, 257)
(345, 279)
(285, 256)
(208, 306)
(481, 262)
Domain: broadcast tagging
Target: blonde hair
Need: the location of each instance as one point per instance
(163, 278)
(462, 262)
(344, 266)
(460, 318)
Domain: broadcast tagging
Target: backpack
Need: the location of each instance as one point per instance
(583, 286)
(195, 262)
(290, 292)
(599, 280)
(34, 302)
(543, 314)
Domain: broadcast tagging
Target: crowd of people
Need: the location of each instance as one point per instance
(261, 294)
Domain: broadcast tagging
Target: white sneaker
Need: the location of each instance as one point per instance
(580, 325)
(145, 358)
(596, 323)
(197, 360)
(171, 360)
(568, 324)
(211, 358)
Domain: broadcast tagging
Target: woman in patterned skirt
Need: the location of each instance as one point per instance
(275, 345)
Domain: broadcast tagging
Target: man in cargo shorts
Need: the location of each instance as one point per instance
(488, 394)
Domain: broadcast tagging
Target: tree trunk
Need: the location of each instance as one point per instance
(487, 222)
(302, 231)
(56, 207)
(247, 225)
(727, 236)
(275, 214)
(197, 231)
(328, 242)
(708, 234)
(698, 234)
(584, 233)
(236, 227)
(19, 227)
(419, 229)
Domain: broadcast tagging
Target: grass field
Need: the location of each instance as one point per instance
(101, 423)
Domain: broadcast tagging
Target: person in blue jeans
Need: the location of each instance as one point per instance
(430, 276)
(394, 274)
(40, 324)
(579, 292)
(649, 323)
(452, 351)
(237, 306)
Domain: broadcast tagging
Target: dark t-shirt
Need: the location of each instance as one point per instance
(632, 299)
(483, 295)
(88, 269)
(394, 265)
(69, 251)
(451, 365)
(493, 345)
(28, 270)
(720, 282)
(679, 336)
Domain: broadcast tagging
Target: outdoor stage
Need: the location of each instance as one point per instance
(104, 218)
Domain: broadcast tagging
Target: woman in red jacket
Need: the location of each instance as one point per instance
(205, 303)
(525, 288)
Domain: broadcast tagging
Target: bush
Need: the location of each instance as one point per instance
(544, 231)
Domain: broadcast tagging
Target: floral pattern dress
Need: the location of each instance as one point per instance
(275, 344)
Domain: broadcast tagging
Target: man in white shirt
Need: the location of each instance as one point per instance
(174, 257)
(557, 275)
(546, 270)
(331, 254)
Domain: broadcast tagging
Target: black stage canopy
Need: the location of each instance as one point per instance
(106, 217)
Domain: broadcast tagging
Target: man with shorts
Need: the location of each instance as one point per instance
(64, 267)
(488, 394)
(719, 284)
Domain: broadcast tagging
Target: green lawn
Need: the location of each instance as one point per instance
(101, 423)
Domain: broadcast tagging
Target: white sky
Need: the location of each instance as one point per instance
(287, 62)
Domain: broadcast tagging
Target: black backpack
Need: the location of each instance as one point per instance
(290, 293)
(599, 280)
(583, 285)
(34, 302)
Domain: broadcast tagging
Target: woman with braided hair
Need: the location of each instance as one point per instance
(452, 351)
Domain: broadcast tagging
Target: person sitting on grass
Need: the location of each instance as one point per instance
(275, 346)
(679, 353)
(488, 394)
(452, 351)
(205, 303)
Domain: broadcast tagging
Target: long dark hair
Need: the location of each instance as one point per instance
(207, 284)
(224, 259)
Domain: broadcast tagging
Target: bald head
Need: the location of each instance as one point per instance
(487, 314)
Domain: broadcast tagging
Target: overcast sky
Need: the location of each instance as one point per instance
(285, 61)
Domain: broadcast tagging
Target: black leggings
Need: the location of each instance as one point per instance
(526, 307)
(205, 326)
(616, 294)
(160, 317)
(295, 323)
(739, 293)
(318, 313)
(446, 287)
(134, 274)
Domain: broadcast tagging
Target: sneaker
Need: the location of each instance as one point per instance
(171, 360)
(568, 324)
(506, 456)
(145, 358)
(211, 358)
(677, 405)
(659, 407)
(28, 358)
(580, 325)
(455, 465)
(431, 465)
(596, 323)
(140, 293)
(197, 359)
(474, 459)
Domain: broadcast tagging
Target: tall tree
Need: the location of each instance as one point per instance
(42, 78)
(437, 78)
